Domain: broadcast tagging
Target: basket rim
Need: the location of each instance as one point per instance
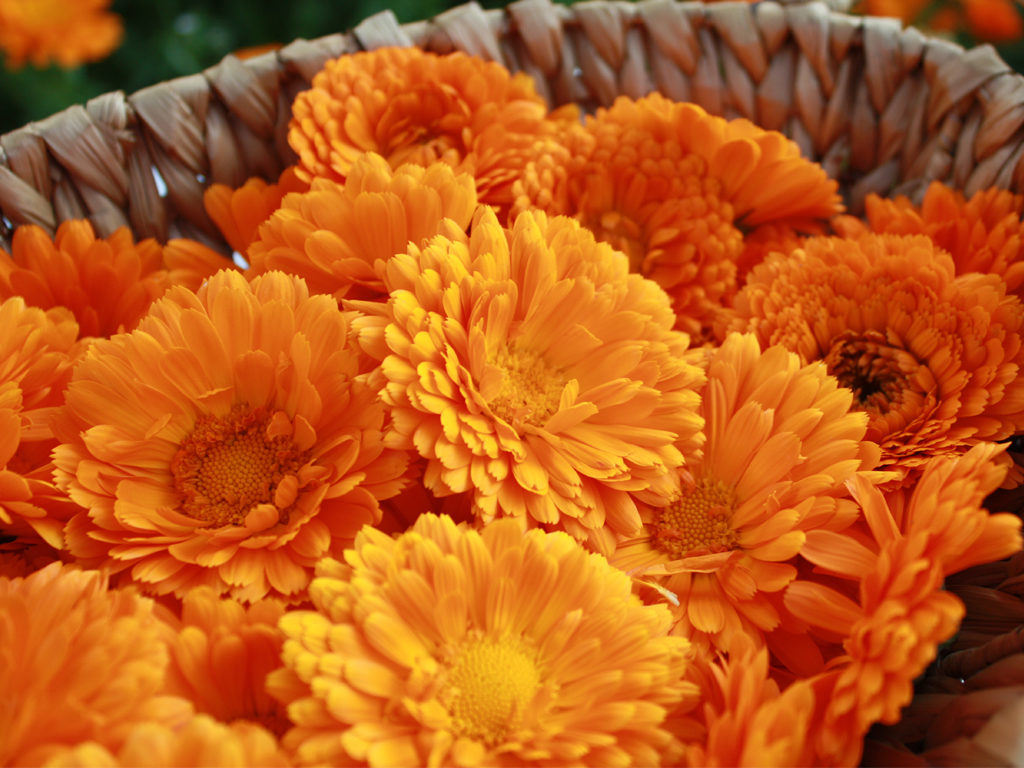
(882, 107)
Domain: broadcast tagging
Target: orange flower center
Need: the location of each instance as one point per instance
(422, 126)
(491, 686)
(531, 389)
(229, 465)
(881, 376)
(698, 522)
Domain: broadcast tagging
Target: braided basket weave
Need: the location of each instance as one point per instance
(884, 109)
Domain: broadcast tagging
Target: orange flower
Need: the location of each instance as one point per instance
(675, 188)
(450, 646)
(983, 233)
(230, 440)
(79, 663)
(993, 21)
(894, 614)
(37, 351)
(412, 106)
(534, 373)
(337, 237)
(238, 213)
(747, 720)
(781, 443)
(108, 283)
(932, 358)
(221, 653)
(200, 741)
(65, 32)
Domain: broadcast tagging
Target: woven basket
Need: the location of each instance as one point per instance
(884, 109)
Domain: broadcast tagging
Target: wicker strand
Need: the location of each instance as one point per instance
(884, 109)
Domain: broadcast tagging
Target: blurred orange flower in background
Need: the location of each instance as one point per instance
(37, 352)
(64, 32)
(991, 21)
(107, 282)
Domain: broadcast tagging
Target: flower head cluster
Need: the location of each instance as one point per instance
(434, 474)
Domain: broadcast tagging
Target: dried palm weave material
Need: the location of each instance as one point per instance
(882, 108)
(968, 708)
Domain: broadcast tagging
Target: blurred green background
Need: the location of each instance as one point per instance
(168, 38)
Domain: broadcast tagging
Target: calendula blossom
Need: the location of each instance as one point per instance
(230, 441)
(535, 374)
(37, 352)
(881, 592)
(338, 237)
(781, 441)
(200, 740)
(413, 106)
(675, 189)
(220, 654)
(79, 662)
(933, 358)
(983, 233)
(449, 646)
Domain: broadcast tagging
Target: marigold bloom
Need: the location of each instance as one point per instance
(747, 720)
(230, 440)
(413, 106)
(781, 443)
(894, 613)
(450, 646)
(37, 352)
(79, 662)
(675, 188)
(532, 371)
(66, 32)
(238, 213)
(338, 237)
(221, 653)
(932, 358)
(108, 283)
(983, 233)
(200, 741)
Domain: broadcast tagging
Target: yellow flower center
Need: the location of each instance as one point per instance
(490, 686)
(530, 391)
(698, 522)
(229, 464)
